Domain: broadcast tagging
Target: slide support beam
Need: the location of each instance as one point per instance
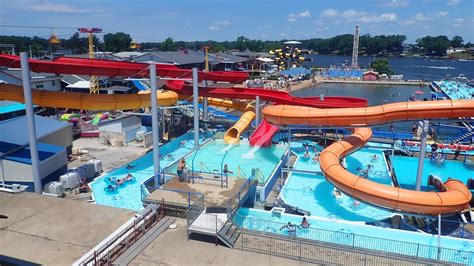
(30, 118)
(155, 126)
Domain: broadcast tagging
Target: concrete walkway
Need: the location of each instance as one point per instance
(172, 248)
(55, 231)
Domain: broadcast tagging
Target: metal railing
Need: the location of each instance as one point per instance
(309, 242)
(105, 253)
(194, 210)
(239, 198)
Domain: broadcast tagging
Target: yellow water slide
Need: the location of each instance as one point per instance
(232, 136)
(86, 101)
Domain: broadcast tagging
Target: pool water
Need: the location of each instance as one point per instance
(456, 90)
(129, 194)
(406, 169)
(360, 235)
(241, 158)
(312, 192)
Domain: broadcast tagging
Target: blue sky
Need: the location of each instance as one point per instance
(227, 19)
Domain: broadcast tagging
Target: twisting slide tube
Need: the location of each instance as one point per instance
(455, 198)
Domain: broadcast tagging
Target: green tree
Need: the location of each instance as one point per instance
(381, 66)
(116, 42)
(457, 41)
(434, 45)
(168, 45)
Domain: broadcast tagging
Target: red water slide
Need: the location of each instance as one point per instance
(278, 97)
(97, 67)
(263, 135)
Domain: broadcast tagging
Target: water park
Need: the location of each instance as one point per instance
(151, 150)
(255, 165)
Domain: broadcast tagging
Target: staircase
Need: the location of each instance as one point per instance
(401, 148)
(464, 136)
(229, 233)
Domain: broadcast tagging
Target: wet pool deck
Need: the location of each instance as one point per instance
(49, 230)
(214, 195)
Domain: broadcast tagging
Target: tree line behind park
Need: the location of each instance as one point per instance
(380, 45)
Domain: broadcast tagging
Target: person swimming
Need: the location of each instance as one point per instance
(290, 228)
(305, 223)
(129, 166)
(374, 158)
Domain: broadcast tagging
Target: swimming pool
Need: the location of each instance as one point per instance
(362, 236)
(312, 192)
(241, 158)
(406, 168)
(129, 195)
(456, 90)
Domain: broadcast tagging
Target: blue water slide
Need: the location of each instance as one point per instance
(139, 85)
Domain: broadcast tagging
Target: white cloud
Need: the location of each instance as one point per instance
(222, 23)
(292, 17)
(395, 3)
(218, 24)
(351, 15)
(407, 22)
(442, 14)
(328, 13)
(385, 17)
(421, 17)
(453, 2)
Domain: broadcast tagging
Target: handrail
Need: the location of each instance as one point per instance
(240, 171)
(192, 162)
(202, 164)
(222, 170)
(259, 175)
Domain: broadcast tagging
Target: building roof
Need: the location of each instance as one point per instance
(81, 84)
(219, 58)
(15, 130)
(128, 54)
(116, 88)
(9, 107)
(371, 72)
(45, 151)
(71, 79)
(176, 58)
(248, 53)
(16, 73)
(6, 147)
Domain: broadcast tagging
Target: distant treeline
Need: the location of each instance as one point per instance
(340, 45)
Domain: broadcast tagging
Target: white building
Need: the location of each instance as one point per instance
(54, 142)
(122, 130)
(451, 50)
(40, 81)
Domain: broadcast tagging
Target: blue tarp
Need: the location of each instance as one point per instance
(296, 71)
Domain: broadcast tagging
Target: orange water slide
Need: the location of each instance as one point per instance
(456, 197)
(86, 101)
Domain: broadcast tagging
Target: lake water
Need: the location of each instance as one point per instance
(410, 67)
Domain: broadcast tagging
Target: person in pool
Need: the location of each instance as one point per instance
(305, 223)
(129, 166)
(375, 158)
(290, 228)
(306, 155)
(181, 171)
(316, 158)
